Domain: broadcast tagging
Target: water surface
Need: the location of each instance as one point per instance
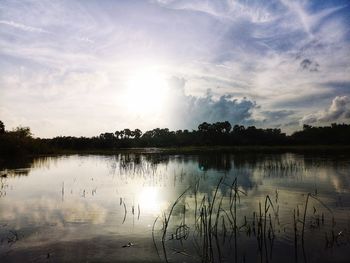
(117, 208)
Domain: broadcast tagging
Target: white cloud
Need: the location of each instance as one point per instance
(23, 27)
(338, 111)
(253, 49)
(186, 111)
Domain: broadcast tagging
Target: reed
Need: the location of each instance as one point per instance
(218, 219)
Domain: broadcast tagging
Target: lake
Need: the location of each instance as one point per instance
(176, 208)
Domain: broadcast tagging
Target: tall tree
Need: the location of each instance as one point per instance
(22, 132)
(127, 133)
(137, 133)
(2, 127)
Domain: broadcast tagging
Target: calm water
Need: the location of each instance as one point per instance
(130, 208)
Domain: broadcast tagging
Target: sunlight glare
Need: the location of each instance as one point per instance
(148, 200)
(146, 90)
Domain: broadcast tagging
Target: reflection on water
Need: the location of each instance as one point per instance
(130, 208)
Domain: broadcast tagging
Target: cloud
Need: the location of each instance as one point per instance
(277, 115)
(283, 56)
(308, 21)
(235, 110)
(339, 110)
(188, 111)
(23, 27)
(64, 100)
(307, 64)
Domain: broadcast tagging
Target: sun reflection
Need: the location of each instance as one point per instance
(146, 91)
(149, 201)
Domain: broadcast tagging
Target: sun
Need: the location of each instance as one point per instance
(145, 92)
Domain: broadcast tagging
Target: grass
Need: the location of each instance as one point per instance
(217, 218)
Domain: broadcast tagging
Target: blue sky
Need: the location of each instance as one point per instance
(86, 67)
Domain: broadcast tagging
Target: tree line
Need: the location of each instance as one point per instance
(21, 141)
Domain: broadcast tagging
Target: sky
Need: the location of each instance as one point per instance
(85, 67)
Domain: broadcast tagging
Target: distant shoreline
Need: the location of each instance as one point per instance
(219, 137)
(214, 149)
(11, 161)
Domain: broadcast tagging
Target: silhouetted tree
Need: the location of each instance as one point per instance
(334, 134)
(204, 127)
(127, 133)
(22, 132)
(21, 141)
(2, 127)
(117, 134)
(222, 127)
(137, 133)
(121, 134)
